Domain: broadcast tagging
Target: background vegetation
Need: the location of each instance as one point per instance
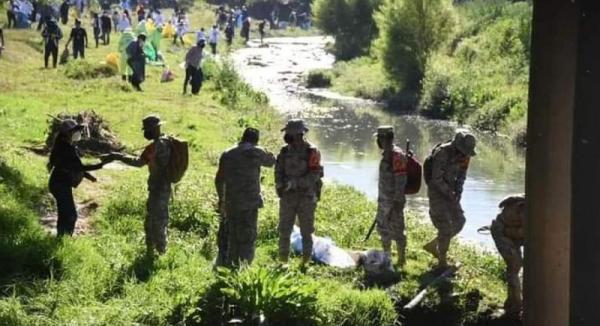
(103, 277)
(467, 61)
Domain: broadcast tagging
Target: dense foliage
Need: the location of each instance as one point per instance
(350, 22)
(410, 31)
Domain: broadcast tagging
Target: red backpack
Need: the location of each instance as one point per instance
(414, 171)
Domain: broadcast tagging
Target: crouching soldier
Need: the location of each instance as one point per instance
(445, 173)
(507, 231)
(391, 199)
(238, 187)
(298, 174)
(156, 156)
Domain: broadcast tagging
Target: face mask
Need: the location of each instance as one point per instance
(288, 139)
(148, 135)
(76, 136)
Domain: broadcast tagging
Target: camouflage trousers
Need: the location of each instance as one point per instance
(222, 241)
(390, 225)
(510, 250)
(157, 219)
(448, 218)
(242, 229)
(290, 207)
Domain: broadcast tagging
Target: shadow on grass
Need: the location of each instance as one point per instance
(142, 267)
(26, 251)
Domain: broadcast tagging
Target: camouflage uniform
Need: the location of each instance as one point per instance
(298, 174)
(507, 231)
(449, 166)
(156, 156)
(238, 187)
(391, 199)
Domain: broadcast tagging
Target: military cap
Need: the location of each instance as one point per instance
(384, 131)
(69, 125)
(465, 142)
(295, 126)
(151, 121)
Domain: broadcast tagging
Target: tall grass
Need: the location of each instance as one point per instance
(104, 277)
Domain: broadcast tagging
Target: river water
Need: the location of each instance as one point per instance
(343, 129)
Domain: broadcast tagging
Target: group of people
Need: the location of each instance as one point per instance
(298, 182)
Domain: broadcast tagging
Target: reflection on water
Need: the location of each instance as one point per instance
(343, 129)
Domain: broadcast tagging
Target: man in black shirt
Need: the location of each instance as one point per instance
(80, 40)
(106, 24)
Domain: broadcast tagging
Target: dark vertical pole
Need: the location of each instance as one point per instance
(585, 226)
(548, 177)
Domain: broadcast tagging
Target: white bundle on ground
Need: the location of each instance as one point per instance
(324, 250)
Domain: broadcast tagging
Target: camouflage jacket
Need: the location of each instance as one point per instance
(392, 175)
(449, 171)
(238, 176)
(299, 171)
(156, 156)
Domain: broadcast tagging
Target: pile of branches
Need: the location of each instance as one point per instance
(97, 136)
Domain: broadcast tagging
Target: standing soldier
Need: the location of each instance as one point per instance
(391, 199)
(156, 156)
(445, 175)
(298, 174)
(507, 231)
(238, 187)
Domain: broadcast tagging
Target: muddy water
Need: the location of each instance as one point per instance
(343, 129)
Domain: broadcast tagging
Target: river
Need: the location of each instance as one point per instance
(343, 129)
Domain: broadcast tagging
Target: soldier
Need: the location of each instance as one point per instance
(507, 231)
(298, 174)
(449, 165)
(238, 186)
(156, 156)
(391, 199)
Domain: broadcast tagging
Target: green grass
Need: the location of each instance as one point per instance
(102, 278)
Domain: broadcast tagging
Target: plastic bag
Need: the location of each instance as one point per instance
(324, 250)
(112, 59)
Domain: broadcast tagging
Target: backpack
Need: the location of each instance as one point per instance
(427, 169)
(178, 162)
(413, 175)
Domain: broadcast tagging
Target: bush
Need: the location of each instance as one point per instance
(281, 297)
(350, 22)
(365, 308)
(409, 32)
(318, 79)
(81, 69)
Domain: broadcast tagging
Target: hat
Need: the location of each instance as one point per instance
(465, 142)
(384, 131)
(295, 126)
(151, 121)
(69, 125)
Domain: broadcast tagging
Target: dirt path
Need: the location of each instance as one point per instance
(83, 226)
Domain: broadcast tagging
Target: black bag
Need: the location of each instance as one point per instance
(427, 169)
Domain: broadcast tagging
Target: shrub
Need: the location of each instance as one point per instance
(409, 32)
(350, 22)
(281, 297)
(81, 69)
(318, 79)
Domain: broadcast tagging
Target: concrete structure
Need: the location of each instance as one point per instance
(562, 251)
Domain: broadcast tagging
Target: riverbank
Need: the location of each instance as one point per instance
(477, 76)
(103, 278)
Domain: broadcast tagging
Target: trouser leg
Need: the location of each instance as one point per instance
(222, 242)
(306, 219)
(157, 220)
(66, 209)
(54, 56)
(287, 215)
(242, 231)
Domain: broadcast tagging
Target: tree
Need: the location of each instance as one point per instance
(409, 31)
(350, 22)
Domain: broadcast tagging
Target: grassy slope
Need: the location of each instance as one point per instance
(102, 278)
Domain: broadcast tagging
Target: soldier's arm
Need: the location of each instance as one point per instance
(399, 167)
(439, 166)
(220, 180)
(280, 179)
(462, 176)
(315, 170)
(267, 158)
(132, 160)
